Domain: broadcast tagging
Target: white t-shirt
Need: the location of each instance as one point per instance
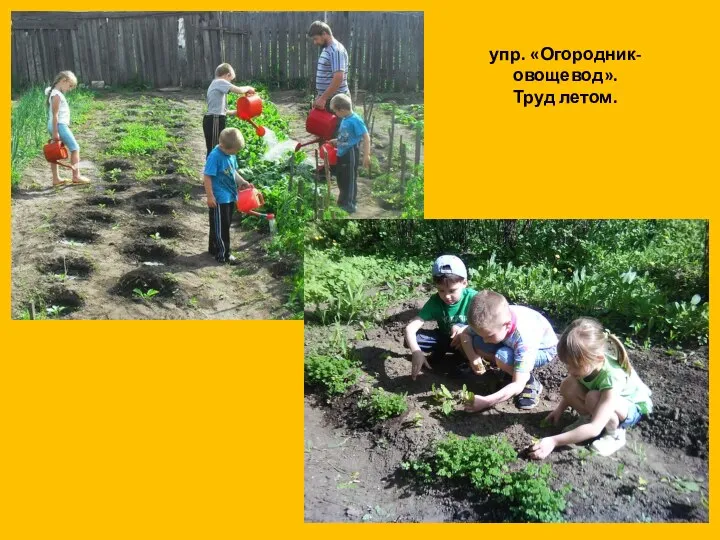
(217, 96)
(63, 111)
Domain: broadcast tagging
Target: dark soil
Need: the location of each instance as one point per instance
(70, 265)
(145, 279)
(80, 233)
(60, 295)
(112, 164)
(154, 206)
(103, 199)
(147, 249)
(672, 444)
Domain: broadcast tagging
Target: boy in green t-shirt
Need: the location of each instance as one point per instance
(449, 308)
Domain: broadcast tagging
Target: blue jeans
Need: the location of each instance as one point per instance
(66, 136)
(633, 417)
(437, 345)
(506, 355)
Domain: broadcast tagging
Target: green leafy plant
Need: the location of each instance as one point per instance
(444, 398)
(155, 236)
(332, 374)
(530, 498)
(381, 405)
(145, 295)
(55, 311)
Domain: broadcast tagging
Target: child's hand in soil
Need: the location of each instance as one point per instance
(553, 418)
(542, 448)
(419, 361)
(455, 333)
(479, 403)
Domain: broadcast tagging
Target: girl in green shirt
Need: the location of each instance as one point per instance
(601, 386)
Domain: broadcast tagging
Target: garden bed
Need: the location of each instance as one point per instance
(145, 209)
(661, 474)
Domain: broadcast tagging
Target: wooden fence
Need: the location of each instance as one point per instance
(386, 49)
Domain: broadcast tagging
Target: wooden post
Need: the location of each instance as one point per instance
(418, 142)
(300, 194)
(32, 310)
(403, 156)
(327, 179)
(317, 173)
(392, 139)
(292, 172)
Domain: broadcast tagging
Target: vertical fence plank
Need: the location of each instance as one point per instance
(386, 50)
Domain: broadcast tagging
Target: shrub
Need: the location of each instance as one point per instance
(484, 463)
(382, 405)
(530, 498)
(331, 374)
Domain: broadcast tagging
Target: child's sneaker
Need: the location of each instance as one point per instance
(609, 443)
(577, 423)
(530, 396)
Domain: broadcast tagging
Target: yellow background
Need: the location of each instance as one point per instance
(140, 430)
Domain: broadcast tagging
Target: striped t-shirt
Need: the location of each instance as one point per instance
(333, 58)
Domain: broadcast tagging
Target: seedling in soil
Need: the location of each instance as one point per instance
(466, 395)
(102, 205)
(639, 450)
(152, 214)
(110, 192)
(155, 236)
(115, 226)
(175, 215)
(55, 311)
(620, 470)
(705, 502)
(684, 486)
(354, 479)
(642, 484)
(444, 398)
(193, 302)
(145, 295)
(186, 198)
(415, 421)
(382, 405)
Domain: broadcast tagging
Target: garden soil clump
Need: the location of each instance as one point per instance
(353, 467)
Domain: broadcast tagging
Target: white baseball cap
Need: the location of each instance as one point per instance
(449, 264)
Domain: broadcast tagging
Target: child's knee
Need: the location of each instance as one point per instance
(568, 388)
(592, 399)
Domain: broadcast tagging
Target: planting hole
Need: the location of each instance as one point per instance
(103, 200)
(97, 215)
(150, 250)
(67, 266)
(166, 230)
(80, 234)
(154, 207)
(112, 164)
(145, 279)
(61, 301)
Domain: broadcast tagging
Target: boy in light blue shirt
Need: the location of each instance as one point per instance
(222, 181)
(351, 133)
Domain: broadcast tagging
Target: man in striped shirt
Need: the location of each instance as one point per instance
(332, 66)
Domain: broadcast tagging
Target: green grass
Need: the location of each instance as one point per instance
(139, 140)
(28, 128)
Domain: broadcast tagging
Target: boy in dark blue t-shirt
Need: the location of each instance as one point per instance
(352, 131)
(222, 182)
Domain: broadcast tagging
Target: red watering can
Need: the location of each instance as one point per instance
(55, 151)
(250, 199)
(329, 152)
(249, 107)
(320, 123)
